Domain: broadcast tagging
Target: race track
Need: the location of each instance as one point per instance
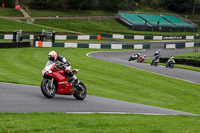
(24, 98)
(121, 57)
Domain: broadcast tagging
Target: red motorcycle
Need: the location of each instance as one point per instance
(141, 59)
(55, 82)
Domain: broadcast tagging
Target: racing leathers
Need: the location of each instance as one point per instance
(68, 72)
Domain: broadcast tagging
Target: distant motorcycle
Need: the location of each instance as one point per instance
(155, 61)
(141, 59)
(170, 64)
(133, 57)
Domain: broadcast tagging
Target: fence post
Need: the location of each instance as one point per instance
(14, 36)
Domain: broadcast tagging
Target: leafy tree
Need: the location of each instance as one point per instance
(40, 4)
(92, 4)
(78, 4)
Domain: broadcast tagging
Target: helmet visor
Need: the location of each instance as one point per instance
(50, 58)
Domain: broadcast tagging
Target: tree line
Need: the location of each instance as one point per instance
(110, 5)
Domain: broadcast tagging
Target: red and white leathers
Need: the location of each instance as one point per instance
(55, 57)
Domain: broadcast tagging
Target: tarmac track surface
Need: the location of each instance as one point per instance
(121, 57)
(23, 98)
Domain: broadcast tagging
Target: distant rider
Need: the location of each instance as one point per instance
(157, 52)
(171, 60)
(55, 57)
(137, 56)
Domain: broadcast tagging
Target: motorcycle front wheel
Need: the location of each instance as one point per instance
(80, 92)
(152, 62)
(46, 88)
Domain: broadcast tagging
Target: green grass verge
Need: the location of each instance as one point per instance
(102, 78)
(71, 13)
(186, 67)
(192, 56)
(10, 12)
(92, 123)
(10, 26)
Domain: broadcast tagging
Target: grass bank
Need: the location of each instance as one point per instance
(94, 27)
(70, 13)
(10, 12)
(102, 78)
(90, 123)
(10, 26)
(192, 56)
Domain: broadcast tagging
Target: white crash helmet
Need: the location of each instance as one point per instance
(52, 56)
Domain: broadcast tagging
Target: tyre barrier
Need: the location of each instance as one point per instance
(15, 45)
(189, 62)
(92, 45)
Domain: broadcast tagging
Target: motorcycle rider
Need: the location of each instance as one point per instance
(55, 57)
(157, 52)
(137, 56)
(170, 61)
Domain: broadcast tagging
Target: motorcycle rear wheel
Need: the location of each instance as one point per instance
(46, 90)
(155, 64)
(80, 95)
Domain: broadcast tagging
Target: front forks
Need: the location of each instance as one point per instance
(50, 82)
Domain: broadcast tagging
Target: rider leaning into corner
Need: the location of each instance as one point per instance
(55, 57)
(157, 53)
(171, 60)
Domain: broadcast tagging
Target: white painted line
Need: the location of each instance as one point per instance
(18, 84)
(116, 113)
(108, 51)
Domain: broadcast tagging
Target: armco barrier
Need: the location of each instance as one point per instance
(15, 45)
(149, 37)
(116, 36)
(182, 45)
(94, 45)
(183, 61)
(57, 37)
